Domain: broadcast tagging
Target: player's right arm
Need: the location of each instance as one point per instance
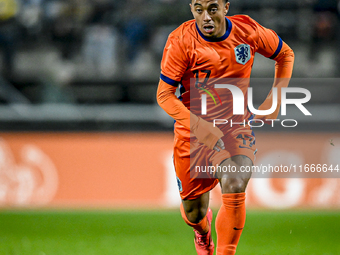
(174, 63)
(204, 131)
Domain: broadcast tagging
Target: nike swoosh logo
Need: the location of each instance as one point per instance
(238, 228)
(198, 64)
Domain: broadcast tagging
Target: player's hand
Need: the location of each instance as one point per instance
(207, 134)
(219, 145)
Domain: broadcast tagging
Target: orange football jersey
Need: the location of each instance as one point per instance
(191, 58)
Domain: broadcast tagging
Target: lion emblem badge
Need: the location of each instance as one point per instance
(242, 53)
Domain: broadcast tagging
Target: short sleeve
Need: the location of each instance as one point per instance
(269, 43)
(174, 62)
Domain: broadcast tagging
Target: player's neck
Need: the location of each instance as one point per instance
(223, 30)
(227, 29)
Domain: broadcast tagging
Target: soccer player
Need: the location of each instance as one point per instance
(215, 46)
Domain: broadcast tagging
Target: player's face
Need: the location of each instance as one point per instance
(210, 16)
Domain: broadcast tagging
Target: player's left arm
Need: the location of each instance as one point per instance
(271, 45)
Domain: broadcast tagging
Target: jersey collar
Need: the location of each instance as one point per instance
(225, 36)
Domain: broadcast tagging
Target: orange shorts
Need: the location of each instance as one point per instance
(188, 155)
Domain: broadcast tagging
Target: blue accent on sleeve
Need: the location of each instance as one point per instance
(278, 49)
(169, 81)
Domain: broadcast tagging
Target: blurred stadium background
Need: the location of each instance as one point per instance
(85, 151)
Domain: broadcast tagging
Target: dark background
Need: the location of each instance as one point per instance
(93, 65)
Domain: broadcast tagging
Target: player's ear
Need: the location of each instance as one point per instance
(226, 8)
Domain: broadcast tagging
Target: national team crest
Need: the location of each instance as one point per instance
(242, 53)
